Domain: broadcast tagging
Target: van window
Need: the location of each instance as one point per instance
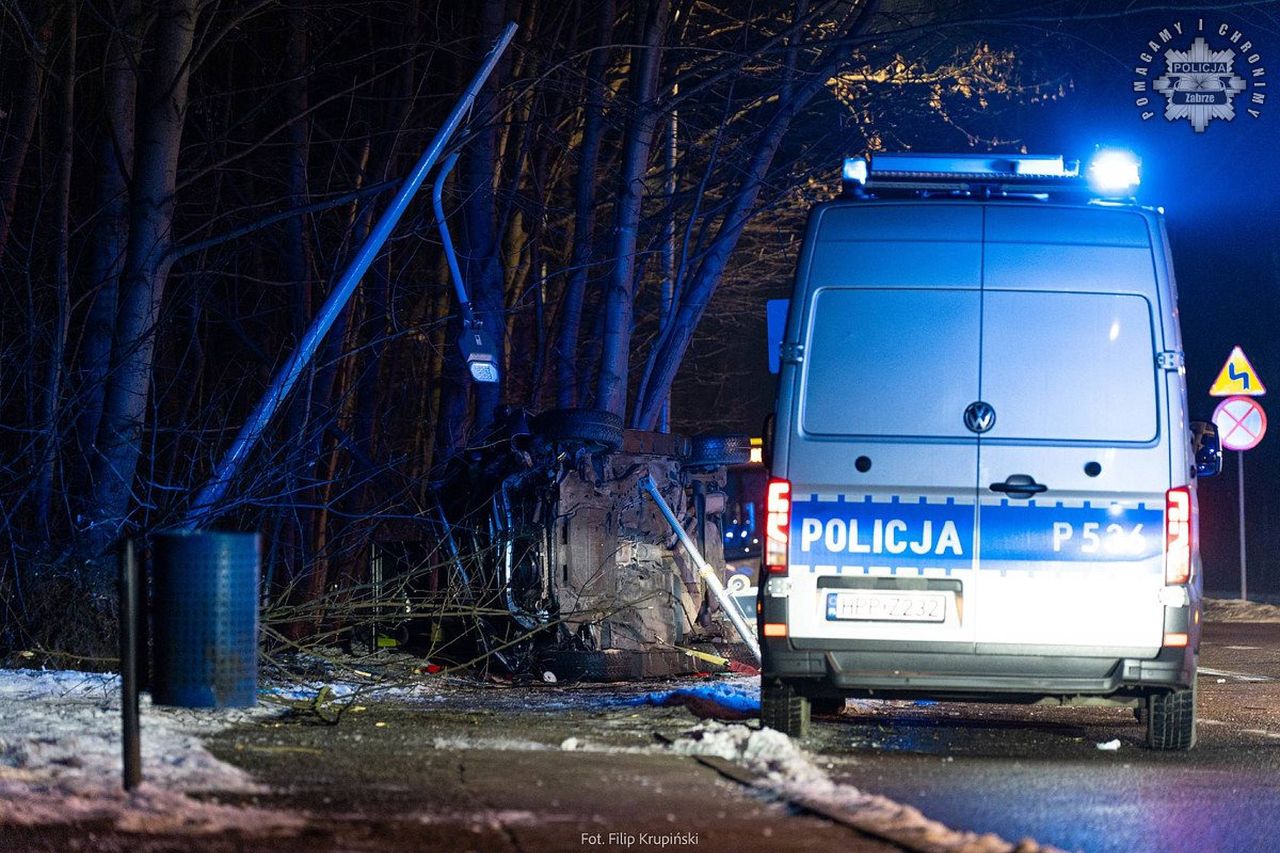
(1069, 366)
(891, 362)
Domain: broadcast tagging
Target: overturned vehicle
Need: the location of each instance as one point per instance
(548, 555)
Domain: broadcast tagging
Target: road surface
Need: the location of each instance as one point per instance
(1031, 771)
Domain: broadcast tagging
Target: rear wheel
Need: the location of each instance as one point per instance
(783, 709)
(1171, 720)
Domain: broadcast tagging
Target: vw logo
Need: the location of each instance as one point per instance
(980, 417)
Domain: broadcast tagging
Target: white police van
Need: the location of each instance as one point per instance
(983, 474)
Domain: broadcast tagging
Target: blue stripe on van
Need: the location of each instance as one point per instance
(1057, 533)
(863, 531)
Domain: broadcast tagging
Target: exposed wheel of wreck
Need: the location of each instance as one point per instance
(588, 426)
(782, 708)
(710, 450)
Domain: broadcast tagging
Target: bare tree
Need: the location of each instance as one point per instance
(584, 209)
(147, 262)
(638, 140)
(49, 425)
(111, 229)
(35, 22)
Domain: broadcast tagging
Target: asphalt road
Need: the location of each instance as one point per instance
(1037, 771)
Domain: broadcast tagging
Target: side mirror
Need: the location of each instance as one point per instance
(766, 440)
(1208, 450)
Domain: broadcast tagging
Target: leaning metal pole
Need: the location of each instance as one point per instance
(705, 571)
(206, 501)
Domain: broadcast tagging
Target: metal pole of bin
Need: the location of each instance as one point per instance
(704, 569)
(130, 735)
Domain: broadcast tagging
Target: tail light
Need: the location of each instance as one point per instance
(777, 526)
(1177, 535)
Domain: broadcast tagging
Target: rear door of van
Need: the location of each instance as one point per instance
(1072, 475)
(883, 513)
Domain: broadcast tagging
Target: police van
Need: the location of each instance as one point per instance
(982, 466)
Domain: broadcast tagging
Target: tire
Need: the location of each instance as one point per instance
(1171, 720)
(783, 709)
(587, 666)
(706, 451)
(587, 426)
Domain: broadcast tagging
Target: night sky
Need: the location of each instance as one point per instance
(1219, 192)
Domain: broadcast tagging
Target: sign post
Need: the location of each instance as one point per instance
(1244, 575)
(1241, 424)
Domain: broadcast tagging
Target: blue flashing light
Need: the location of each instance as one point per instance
(1114, 172)
(855, 171)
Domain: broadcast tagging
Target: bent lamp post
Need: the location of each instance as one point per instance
(704, 569)
(478, 348)
(204, 506)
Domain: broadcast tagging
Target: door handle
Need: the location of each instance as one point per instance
(1019, 486)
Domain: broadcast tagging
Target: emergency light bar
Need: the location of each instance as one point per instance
(984, 175)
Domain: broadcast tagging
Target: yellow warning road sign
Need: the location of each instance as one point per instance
(1237, 377)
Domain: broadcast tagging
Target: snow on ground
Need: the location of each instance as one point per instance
(60, 759)
(1234, 610)
(784, 770)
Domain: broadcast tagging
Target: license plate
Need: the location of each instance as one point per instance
(885, 606)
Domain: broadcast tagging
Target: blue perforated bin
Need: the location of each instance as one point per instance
(205, 619)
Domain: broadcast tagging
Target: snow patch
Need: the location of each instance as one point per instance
(60, 758)
(498, 744)
(305, 691)
(491, 819)
(784, 770)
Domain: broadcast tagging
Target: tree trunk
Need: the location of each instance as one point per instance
(674, 340)
(50, 426)
(295, 519)
(111, 232)
(575, 288)
(436, 324)
(638, 140)
(146, 269)
(297, 248)
(26, 106)
(373, 334)
(482, 265)
(328, 394)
